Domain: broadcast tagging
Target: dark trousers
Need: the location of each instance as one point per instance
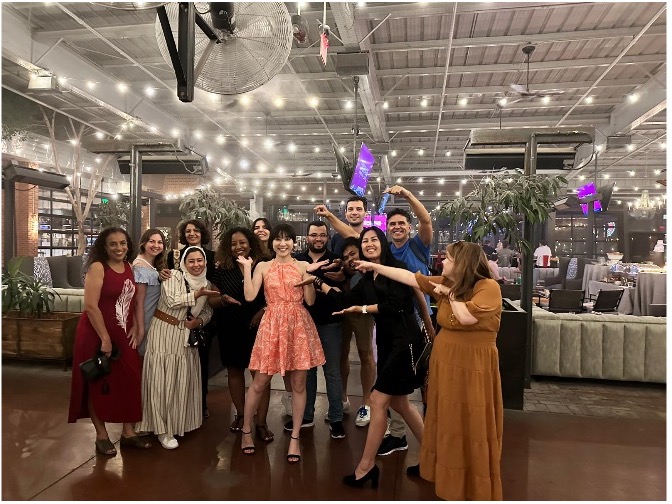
(204, 357)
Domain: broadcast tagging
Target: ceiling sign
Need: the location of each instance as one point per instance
(324, 45)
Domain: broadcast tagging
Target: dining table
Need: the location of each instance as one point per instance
(650, 289)
(594, 272)
(625, 307)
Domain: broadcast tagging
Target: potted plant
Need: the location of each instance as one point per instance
(218, 213)
(30, 329)
(113, 214)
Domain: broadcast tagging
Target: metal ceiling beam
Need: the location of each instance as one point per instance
(351, 32)
(423, 45)
(625, 50)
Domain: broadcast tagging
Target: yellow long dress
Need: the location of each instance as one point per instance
(462, 441)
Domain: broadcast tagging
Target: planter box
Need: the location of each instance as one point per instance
(48, 338)
(511, 347)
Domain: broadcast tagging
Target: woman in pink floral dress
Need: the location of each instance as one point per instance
(287, 340)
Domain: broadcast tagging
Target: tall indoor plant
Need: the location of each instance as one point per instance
(218, 213)
(495, 203)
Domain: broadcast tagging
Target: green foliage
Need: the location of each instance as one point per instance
(494, 205)
(113, 214)
(218, 213)
(25, 293)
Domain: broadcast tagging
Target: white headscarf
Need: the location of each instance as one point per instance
(195, 282)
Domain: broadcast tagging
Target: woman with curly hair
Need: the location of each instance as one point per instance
(236, 321)
(146, 267)
(108, 324)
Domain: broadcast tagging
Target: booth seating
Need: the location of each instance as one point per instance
(64, 274)
(604, 346)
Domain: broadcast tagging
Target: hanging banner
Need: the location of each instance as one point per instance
(324, 45)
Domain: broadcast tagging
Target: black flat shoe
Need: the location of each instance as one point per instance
(413, 471)
(373, 475)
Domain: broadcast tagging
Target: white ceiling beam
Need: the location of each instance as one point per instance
(350, 32)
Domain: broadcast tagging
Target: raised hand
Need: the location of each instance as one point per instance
(335, 276)
(397, 190)
(306, 281)
(316, 265)
(335, 265)
(245, 261)
(440, 289)
(322, 211)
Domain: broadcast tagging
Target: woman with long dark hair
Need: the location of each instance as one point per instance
(236, 321)
(146, 268)
(108, 324)
(391, 304)
(262, 228)
(462, 442)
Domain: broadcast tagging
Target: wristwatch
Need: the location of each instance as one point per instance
(364, 309)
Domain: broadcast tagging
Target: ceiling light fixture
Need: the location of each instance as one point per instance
(424, 102)
(546, 100)
(464, 102)
(278, 102)
(393, 153)
(313, 101)
(633, 98)
(221, 139)
(386, 105)
(630, 147)
(244, 100)
(589, 100)
(150, 91)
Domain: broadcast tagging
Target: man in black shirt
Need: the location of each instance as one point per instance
(329, 329)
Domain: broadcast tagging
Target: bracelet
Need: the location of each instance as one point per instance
(318, 282)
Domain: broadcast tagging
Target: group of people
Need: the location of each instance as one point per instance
(274, 311)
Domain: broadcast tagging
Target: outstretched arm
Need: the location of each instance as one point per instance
(251, 284)
(341, 227)
(400, 275)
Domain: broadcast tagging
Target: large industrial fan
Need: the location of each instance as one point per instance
(130, 6)
(251, 43)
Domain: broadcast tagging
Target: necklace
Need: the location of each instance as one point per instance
(145, 261)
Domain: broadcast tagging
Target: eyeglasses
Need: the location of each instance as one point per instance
(315, 235)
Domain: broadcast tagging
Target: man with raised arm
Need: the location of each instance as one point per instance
(355, 211)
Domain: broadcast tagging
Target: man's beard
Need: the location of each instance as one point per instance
(315, 250)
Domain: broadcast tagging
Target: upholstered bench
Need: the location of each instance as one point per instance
(604, 346)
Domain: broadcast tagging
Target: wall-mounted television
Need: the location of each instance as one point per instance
(586, 191)
(379, 220)
(360, 176)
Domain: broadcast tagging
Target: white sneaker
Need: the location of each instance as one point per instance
(363, 416)
(286, 401)
(169, 443)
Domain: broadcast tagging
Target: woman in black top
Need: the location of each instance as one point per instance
(236, 321)
(391, 304)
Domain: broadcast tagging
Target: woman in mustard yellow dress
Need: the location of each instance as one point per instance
(462, 440)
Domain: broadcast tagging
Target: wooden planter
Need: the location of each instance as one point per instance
(48, 338)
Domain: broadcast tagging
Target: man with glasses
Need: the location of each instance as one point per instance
(329, 329)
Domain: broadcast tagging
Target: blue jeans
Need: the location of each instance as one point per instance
(330, 336)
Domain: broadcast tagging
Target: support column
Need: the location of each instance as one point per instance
(257, 207)
(135, 223)
(528, 261)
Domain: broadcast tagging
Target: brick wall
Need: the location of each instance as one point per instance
(25, 215)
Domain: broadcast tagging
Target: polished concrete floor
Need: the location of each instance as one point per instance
(547, 456)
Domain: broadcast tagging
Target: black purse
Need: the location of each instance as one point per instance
(419, 360)
(197, 336)
(99, 366)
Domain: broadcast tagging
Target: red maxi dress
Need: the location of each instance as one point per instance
(116, 397)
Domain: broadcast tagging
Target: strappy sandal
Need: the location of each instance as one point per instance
(248, 450)
(237, 424)
(134, 442)
(264, 433)
(293, 458)
(105, 447)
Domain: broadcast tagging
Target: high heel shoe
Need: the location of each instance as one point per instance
(293, 458)
(373, 475)
(413, 471)
(248, 450)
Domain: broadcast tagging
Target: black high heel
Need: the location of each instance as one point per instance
(248, 450)
(293, 458)
(373, 475)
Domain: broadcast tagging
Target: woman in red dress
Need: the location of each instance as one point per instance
(109, 320)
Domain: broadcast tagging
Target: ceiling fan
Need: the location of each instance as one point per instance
(524, 93)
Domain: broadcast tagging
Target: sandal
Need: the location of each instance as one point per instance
(105, 447)
(134, 442)
(248, 450)
(237, 424)
(293, 458)
(264, 433)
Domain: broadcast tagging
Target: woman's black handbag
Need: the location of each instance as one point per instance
(99, 366)
(419, 362)
(196, 337)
